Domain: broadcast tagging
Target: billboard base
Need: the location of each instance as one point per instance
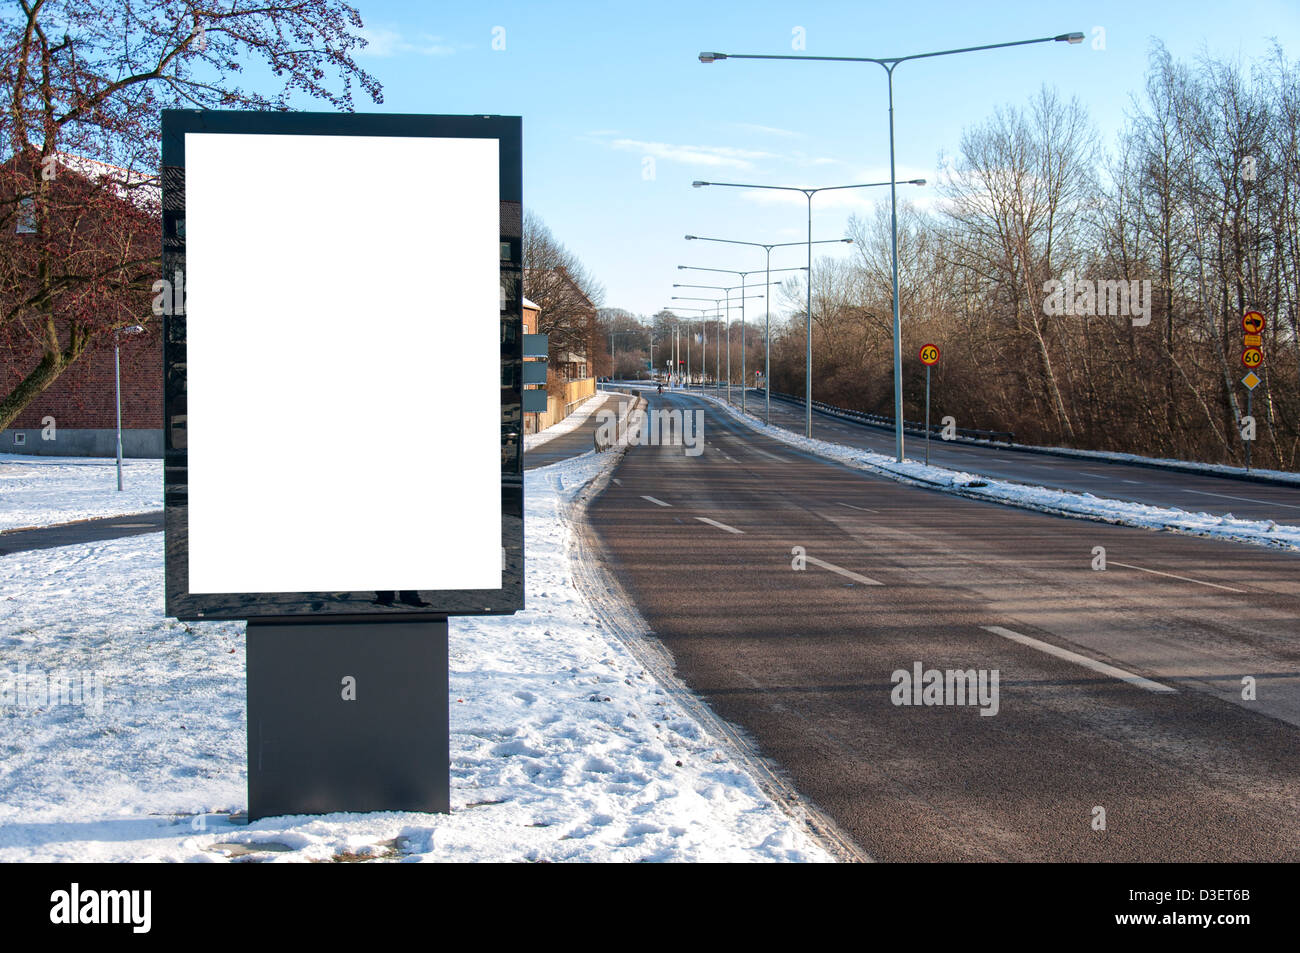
(347, 717)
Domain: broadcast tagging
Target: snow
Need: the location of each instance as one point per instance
(1045, 499)
(42, 491)
(568, 424)
(563, 747)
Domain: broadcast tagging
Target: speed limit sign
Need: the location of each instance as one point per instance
(929, 355)
(1252, 357)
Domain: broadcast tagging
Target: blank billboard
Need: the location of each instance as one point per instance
(343, 369)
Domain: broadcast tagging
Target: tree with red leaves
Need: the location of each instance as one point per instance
(83, 84)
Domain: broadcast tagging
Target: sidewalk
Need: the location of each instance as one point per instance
(81, 531)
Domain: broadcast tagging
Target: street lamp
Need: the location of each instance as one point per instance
(809, 193)
(727, 292)
(889, 64)
(117, 384)
(767, 290)
(716, 311)
(767, 316)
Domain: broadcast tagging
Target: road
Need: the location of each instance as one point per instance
(575, 442)
(1186, 491)
(1120, 690)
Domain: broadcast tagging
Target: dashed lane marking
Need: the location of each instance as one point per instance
(729, 529)
(1157, 572)
(1083, 660)
(842, 571)
(862, 508)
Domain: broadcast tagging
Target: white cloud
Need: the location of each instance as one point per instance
(766, 130)
(382, 43)
(714, 156)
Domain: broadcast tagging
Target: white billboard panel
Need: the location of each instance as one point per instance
(343, 323)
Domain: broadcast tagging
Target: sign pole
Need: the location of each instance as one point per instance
(927, 415)
(929, 356)
(1249, 395)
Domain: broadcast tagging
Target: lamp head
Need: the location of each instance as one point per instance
(697, 183)
(1071, 38)
(712, 57)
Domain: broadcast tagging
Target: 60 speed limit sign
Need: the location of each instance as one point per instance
(929, 355)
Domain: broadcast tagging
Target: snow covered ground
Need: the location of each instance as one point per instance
(562, 748)
(1259, 532)
(42, 491)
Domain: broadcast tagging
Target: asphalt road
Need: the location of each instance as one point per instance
(577, 441)
(1185, 491)
(1119, 690)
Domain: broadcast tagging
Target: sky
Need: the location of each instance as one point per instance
(619, 115)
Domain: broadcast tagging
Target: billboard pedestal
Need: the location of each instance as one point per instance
(347, 717)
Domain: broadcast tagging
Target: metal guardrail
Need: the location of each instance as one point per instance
(970, 433)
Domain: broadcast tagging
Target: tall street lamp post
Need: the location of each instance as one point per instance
(889, 64)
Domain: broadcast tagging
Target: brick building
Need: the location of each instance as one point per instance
(76, 415)
(82, 405)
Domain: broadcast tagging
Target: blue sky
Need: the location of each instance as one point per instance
(620, 116)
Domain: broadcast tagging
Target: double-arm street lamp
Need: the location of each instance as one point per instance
(808, 193)
(889, 64)
(767, 290)
(716, 311)
(727, 299)
(767, 317)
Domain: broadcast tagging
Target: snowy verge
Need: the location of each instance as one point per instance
(42, 491)
(1043, 499)
(1255, 475)
(563, 746)
(569, 423)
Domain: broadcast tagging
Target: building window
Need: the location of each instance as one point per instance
(27, 216)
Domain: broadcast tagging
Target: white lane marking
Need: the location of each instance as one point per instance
(617, 481)
(862, 508)
(1099, 476)
(1157, 572)
(655, 501)
(1244, 499)
(1138, 482)
(1083, 660)
(842, 571)
(764, 453)
(729, 529)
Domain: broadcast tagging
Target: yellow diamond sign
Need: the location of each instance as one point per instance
(1251, 380)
